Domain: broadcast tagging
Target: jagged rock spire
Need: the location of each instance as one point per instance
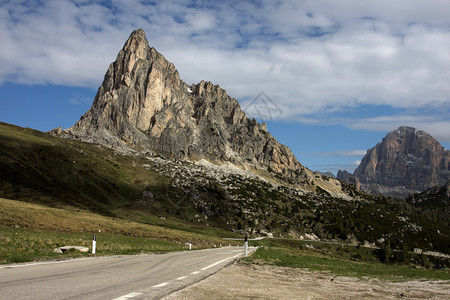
(143, 104)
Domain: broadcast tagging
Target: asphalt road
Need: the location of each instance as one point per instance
(118, 277)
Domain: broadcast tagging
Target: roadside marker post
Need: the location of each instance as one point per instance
(189, 244)
(246, 246)
(94, 242)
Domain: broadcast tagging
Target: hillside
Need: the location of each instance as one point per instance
(44, 169)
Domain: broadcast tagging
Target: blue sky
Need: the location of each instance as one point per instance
(341, 74)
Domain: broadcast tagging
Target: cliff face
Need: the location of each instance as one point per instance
(348, 178)
(143, 104)
(407, 160)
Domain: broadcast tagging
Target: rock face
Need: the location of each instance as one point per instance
(349, 178)
(406, 161)
(143, 104)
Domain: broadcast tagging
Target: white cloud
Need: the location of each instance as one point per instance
(316, 59)
(80, 100)
(356, 163)
(339, 153)
(431, 124)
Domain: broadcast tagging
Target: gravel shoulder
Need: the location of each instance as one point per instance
(241, 281)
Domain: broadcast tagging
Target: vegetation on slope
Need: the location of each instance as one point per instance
(344, 260)
(150, 189)
(32, 231)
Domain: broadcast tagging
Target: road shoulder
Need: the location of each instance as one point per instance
(243, 281)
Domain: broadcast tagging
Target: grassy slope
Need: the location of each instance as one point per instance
(65, 190)
(43, 169)
(31, 231)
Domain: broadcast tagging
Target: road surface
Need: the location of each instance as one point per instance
(118, 277)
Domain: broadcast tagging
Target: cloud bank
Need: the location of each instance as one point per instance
(370, 65)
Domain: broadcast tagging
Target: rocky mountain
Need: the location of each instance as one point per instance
(143, 105)
(406, 161)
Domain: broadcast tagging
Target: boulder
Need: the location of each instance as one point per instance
(67, 248)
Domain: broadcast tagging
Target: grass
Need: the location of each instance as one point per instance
(24, 245)
(72, 190)
(30, 232)
(287, 256)
(40, 168)
(184, 226)
(36, 216)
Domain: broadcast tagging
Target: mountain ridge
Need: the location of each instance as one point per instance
(143, 105)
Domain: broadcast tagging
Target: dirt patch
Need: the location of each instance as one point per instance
(266, 282)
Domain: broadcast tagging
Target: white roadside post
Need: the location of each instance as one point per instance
(94, 242)
(246, 246)
(190, 246)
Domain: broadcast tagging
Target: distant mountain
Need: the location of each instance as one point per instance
(406, 161)
(348, 178)
(328, 174)
(144, 105)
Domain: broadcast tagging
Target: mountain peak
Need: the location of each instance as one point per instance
(137, 43)
(406, 160)
(138, 33)
(136, 37)
(144, 105)
(407, 130)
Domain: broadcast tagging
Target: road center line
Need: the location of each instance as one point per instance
(218, 262)
(195, 272)
(125, 297)
(161, 284)
(181, 278)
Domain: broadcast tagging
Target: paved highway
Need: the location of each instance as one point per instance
(118, 277)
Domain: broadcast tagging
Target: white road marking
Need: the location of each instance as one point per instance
(181, 278)
(218, 262)
(161, 284)
(44, 263)
(59, 261)
(195, 272)
(125, 297)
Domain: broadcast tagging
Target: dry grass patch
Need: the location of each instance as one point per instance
(26, 215)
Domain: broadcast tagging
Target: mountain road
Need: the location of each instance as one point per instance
(146, 276)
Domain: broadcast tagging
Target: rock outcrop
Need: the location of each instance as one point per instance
(347, 177)
(144, 105)
(406, 161)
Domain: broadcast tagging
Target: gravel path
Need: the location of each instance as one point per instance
(266, 282)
